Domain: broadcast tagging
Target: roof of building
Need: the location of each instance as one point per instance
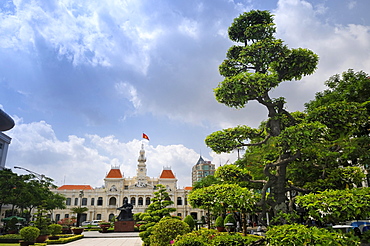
(114, 173)
(75, 187)
(167, 174)
(200, 160)
(188, 188)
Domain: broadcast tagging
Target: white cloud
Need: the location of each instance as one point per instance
(129, 92)
(87, 160)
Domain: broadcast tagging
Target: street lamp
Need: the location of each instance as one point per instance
(81, 196)
(41, 177)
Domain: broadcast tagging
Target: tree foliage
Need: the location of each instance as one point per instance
(25, 192)
(157, 210)
(335, 206)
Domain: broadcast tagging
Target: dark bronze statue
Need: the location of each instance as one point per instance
(126, 212)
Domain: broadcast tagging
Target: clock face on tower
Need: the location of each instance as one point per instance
(141, 169)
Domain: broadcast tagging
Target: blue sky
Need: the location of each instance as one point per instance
(84, 79)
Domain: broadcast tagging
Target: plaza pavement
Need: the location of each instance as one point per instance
(95, 238)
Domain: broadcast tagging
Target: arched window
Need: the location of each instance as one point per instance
(133, 201)
(76, 201)
(100, 201)
(125, 199)
(68, 201)
(140, 201)
(147, 201)
(179, 201)
(111, 217)
(112, 201)
(98, 217)
(92, 201)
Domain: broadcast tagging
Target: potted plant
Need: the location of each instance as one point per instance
(219, 224)
(230, 222)
(42, 221)
(29, 235)
(55, 229)
(77, 230)
(66, 224)
(105, 226)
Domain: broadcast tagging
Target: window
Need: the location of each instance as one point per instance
(186, 201)
(141, 201)
(147, 201)
(205, 167)
(84, 201)
(66, 216)
(126, 187)
(179, 214)
(179, 201)
(98, 217)
(57, 217)
(100, 201)
(76, 201)
(112, 201)
(111, 217)
(133, 201)
(125, 199)
(68, 201)
(92, 201)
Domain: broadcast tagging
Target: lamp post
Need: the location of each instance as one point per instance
(81, 196)
(41, 177)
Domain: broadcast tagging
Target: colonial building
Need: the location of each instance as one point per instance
(138, 190)
(202, 169)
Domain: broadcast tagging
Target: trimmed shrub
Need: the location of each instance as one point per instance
(219, 221)
(190, 221)
(55, 229)
(206, 237)
(167, 230)
(64, 240)
(29, 233)
(235, 239)
(229, 219)
(297, 235)
(201, 237)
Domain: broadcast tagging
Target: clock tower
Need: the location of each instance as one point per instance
(141, 169)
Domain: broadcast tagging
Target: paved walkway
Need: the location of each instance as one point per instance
(95, 238)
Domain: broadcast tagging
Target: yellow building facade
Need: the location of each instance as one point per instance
(102, 203)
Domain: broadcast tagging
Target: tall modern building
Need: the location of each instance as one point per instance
(202, 169)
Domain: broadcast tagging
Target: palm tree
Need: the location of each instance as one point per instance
(79, 211)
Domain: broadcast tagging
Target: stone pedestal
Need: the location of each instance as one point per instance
(120, 226)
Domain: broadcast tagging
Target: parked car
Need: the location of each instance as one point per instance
(95, 222)
(86, 223)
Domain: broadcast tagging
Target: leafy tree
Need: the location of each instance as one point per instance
(206, 181)
(26, 192)
(254, 66)
(335, 206)
(299, 235)
(155, 212)
(225, 197)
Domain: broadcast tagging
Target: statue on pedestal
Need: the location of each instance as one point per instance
(126, 212)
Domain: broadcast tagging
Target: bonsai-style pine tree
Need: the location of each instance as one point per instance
(155, 212)
(255, 65)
